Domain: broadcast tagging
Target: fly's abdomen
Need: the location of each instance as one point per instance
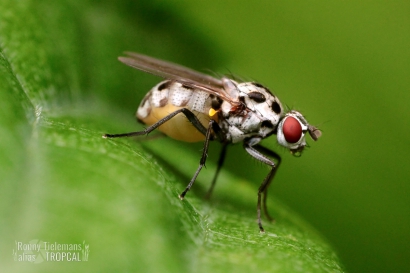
(169, 96)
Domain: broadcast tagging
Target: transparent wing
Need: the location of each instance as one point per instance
(176, 72)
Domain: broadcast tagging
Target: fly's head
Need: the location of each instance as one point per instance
(292, 130)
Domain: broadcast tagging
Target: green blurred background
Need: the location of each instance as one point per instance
(345, 65)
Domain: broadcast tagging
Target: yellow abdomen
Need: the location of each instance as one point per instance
(166, 98)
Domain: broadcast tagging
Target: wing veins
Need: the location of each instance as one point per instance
(176, 72)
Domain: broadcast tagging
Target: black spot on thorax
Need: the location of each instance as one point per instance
(258, 85)
(267, 123)
(256, 96)
(261, 86)
(276, 107)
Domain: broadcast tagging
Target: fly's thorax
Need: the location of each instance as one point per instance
(169, 96)
(259, 114)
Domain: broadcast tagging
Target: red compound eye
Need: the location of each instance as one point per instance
(292, 130)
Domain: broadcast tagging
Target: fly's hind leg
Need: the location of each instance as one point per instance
(190, 116)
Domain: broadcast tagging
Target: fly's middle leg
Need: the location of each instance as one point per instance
(212, 125)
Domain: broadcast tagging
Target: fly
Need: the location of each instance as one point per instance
(218, 109)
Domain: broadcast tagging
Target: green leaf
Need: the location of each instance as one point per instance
(61, 89)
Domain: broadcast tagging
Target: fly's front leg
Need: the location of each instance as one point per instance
(212, 124)
(260, 153)
(274, 155)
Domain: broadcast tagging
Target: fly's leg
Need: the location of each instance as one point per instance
(197, 124)
(218, 168)
(274, 155)
(212, 126)
(190, 116)
(260, 153)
